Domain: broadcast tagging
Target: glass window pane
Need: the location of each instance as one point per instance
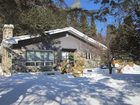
(42, 56)
(51, 56)
(30, 56)
(48, 63)
(39, 56)
(30, 64)
(46, 57)
(39, 63)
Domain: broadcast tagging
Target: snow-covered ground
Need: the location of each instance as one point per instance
(43, 89)
(131, 70)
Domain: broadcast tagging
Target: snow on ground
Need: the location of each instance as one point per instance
(131, 70)
(1, 73)
(43, 89)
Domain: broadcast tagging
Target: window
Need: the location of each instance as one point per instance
(30, 64)
(30, 56)
(39, 58)
(88, 55)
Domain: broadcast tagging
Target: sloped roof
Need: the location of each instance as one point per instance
(14, 40)
(78, 34)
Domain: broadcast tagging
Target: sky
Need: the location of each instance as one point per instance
(89, 5)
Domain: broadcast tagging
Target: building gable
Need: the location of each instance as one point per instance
(54, 34)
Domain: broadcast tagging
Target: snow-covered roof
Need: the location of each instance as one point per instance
(78, 34)
(14, 40)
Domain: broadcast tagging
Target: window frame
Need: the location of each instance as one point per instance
(36, 62)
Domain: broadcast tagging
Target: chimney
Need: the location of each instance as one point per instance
(8, 30)
(6, 58)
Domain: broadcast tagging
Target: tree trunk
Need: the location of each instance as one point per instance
(110, 68)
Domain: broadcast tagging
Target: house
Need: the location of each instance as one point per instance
(29, 52)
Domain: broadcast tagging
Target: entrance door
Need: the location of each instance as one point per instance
(68, 55)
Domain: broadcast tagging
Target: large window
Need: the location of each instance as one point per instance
(39, 58)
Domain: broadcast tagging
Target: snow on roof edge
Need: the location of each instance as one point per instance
(14, 40)
(78, 34)
(7, 42)
(89, 38)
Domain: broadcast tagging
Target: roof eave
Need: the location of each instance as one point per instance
(78, 34)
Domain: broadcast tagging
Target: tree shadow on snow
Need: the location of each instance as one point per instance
(60, 90)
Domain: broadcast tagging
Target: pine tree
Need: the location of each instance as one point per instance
(93, 27)
(126, 40)
(49, 15)
(83, 23)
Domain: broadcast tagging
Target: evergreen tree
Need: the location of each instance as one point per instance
(126, 40)
(35, 16)
(93, 27)
(83, 23)
(126, 44)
